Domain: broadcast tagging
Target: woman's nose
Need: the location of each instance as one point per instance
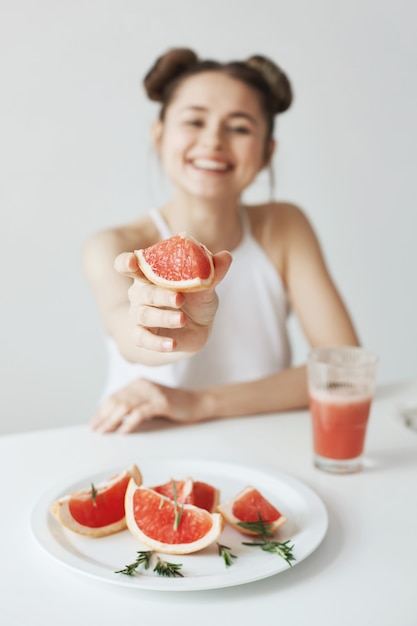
(212, 136)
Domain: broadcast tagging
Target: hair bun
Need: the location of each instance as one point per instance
(277, 80)
(165, 69)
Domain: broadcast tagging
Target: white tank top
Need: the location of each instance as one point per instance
(249, 337)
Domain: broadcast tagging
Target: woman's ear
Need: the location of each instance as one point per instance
(156, 131)
(269, 151)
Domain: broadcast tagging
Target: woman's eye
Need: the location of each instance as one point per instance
(242, 130)
(197, 123)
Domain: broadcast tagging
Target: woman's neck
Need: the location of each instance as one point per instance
(218, 226)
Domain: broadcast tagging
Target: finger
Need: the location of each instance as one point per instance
(107, 425)
(150, 339)
(135, 418)
(222, 262)
(153, 317)
(110, 415)
(157, 296)
(126, 263)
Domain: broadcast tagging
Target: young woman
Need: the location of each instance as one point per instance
(224, 351)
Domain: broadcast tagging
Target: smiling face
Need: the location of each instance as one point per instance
(213, 139)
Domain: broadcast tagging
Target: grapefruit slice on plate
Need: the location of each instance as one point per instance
(99, 510)
(178, 490)
(204, 496)
(189, 491)
(180, 263)
(166, 526)
(249, 505)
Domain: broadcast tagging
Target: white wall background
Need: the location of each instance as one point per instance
(74, 157)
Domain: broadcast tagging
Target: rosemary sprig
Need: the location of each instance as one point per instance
(162, 568)
(260, 527)
(266, 543)
(170, 570)
(283, 549)
(143, 557)
(227, 556)
(94, 494)
(178, 510)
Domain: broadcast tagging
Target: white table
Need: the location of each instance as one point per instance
(364, 572)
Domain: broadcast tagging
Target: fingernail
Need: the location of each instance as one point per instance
(175, 319)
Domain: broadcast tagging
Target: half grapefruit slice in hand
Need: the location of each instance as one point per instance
(249, 505)
(98, 511)
(180, 263)
(164, 525)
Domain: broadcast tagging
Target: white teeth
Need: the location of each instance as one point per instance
(207, 164)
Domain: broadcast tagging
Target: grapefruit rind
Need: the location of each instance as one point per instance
(187, 284)
(215, 521)
(226, 510)
(60, 509)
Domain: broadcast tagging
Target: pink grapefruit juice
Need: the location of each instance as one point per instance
(339, 424)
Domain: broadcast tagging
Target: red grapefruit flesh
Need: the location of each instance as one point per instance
(180, 263)
(248, 506)
(188, 491)
(165, 526)
(204, 496)
(98, 511)
(178, 490)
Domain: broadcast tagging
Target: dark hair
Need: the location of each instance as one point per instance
(258, 72)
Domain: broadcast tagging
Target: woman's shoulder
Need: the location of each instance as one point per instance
(282, 229)
(277, 219)
(275, 210)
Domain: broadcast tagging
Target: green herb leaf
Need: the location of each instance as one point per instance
(227, 556)
(283, 550)
(94, 494)
(170, 570)
(178, 510)
(265, 542)
(260, 527)
(144, 558)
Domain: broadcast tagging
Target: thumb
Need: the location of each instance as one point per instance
(222, 262)
(127, 264)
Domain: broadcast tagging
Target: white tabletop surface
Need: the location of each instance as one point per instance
(364, 572)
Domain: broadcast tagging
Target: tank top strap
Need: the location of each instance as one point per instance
(160, 223)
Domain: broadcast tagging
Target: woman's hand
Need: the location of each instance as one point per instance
(141, 400)
(165, 321)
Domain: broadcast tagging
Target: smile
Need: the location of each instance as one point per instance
(211, 165)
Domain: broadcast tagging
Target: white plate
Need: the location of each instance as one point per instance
(100, 558)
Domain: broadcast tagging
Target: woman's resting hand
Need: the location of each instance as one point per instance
(141, 400)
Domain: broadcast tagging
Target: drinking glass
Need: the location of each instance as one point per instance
(341, 383)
